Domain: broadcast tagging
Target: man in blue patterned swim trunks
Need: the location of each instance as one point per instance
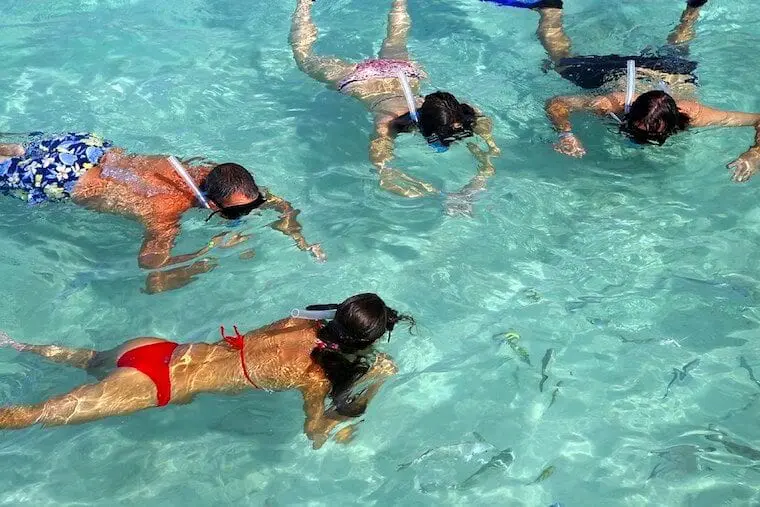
(93, 173)
(48, 169)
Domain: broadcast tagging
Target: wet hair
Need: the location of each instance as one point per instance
(442, 115)
(654, 116)
(359, 322)
(226, 179)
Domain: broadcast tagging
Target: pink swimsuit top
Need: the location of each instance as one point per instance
(380, 69)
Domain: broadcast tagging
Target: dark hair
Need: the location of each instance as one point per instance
(359, 322)
(226, 179)
(444, 116)
(654, 116)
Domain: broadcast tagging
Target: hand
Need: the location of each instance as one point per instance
(213, 242)
(317, 438)
(745, 166)
(346, 435)
(235, 240)
(459, 204)
(569, 145)
(397, 182)
(7, 341)
(317, 252)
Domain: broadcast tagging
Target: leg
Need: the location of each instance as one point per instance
(552, 34)
(12, 150)
(123, 392)
(78, 358)
(303, 35)
(684, 32)
(399, 22)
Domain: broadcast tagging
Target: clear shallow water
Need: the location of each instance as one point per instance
(628, 264)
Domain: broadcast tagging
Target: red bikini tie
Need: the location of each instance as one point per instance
(238, 342)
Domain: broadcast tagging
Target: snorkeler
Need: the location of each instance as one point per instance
(650, 119)
(379, 85)
(147, 188)
(330, 358)
(595, 71)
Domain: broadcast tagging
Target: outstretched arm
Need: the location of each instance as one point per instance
(748, 162)
(559, 109)
(288, 224)
(381, 153)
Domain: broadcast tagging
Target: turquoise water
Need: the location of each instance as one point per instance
(629, 264)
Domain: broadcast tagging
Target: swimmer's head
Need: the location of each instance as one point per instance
(443, 119)
(232, 191)
(359, 322)
(654, 116)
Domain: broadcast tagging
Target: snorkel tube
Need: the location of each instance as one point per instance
(313, 314)
(630, 89)
(631, 85)
(408, 96)
(188, 181)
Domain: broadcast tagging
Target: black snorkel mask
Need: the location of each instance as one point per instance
(241, 210)
(441, 145)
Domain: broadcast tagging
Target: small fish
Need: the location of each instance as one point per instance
(744, 364)
(545, 474)
(545, 364)
(680, 374)
(734, 448)
(501, 461)
(467, 451)
(555, 393)
(512, 337)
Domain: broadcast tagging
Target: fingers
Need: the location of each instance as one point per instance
(742, 171)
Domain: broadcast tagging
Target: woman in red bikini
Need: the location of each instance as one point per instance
(321, 358)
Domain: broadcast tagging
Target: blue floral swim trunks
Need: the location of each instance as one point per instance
(51, 167)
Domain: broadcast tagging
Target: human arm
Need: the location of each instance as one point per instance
(483, 129)
(158, 242)
(320, 422)
(381, 153)
(748, 163)
(559, 109)
(288, 224)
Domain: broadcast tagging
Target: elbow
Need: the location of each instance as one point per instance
(151, 261)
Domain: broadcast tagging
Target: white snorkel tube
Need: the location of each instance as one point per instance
(630, 89)
(188, 181)
(313, 314)
(408, 96)
(631, 85)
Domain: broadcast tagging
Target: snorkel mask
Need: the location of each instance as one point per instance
(241, 210)
(442, 145)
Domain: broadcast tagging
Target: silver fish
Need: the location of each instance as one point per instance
(501, 461)
(545, 364)
(733, 447)
(744, 364)
(555, 393)
(466, 450)
(681, 374)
